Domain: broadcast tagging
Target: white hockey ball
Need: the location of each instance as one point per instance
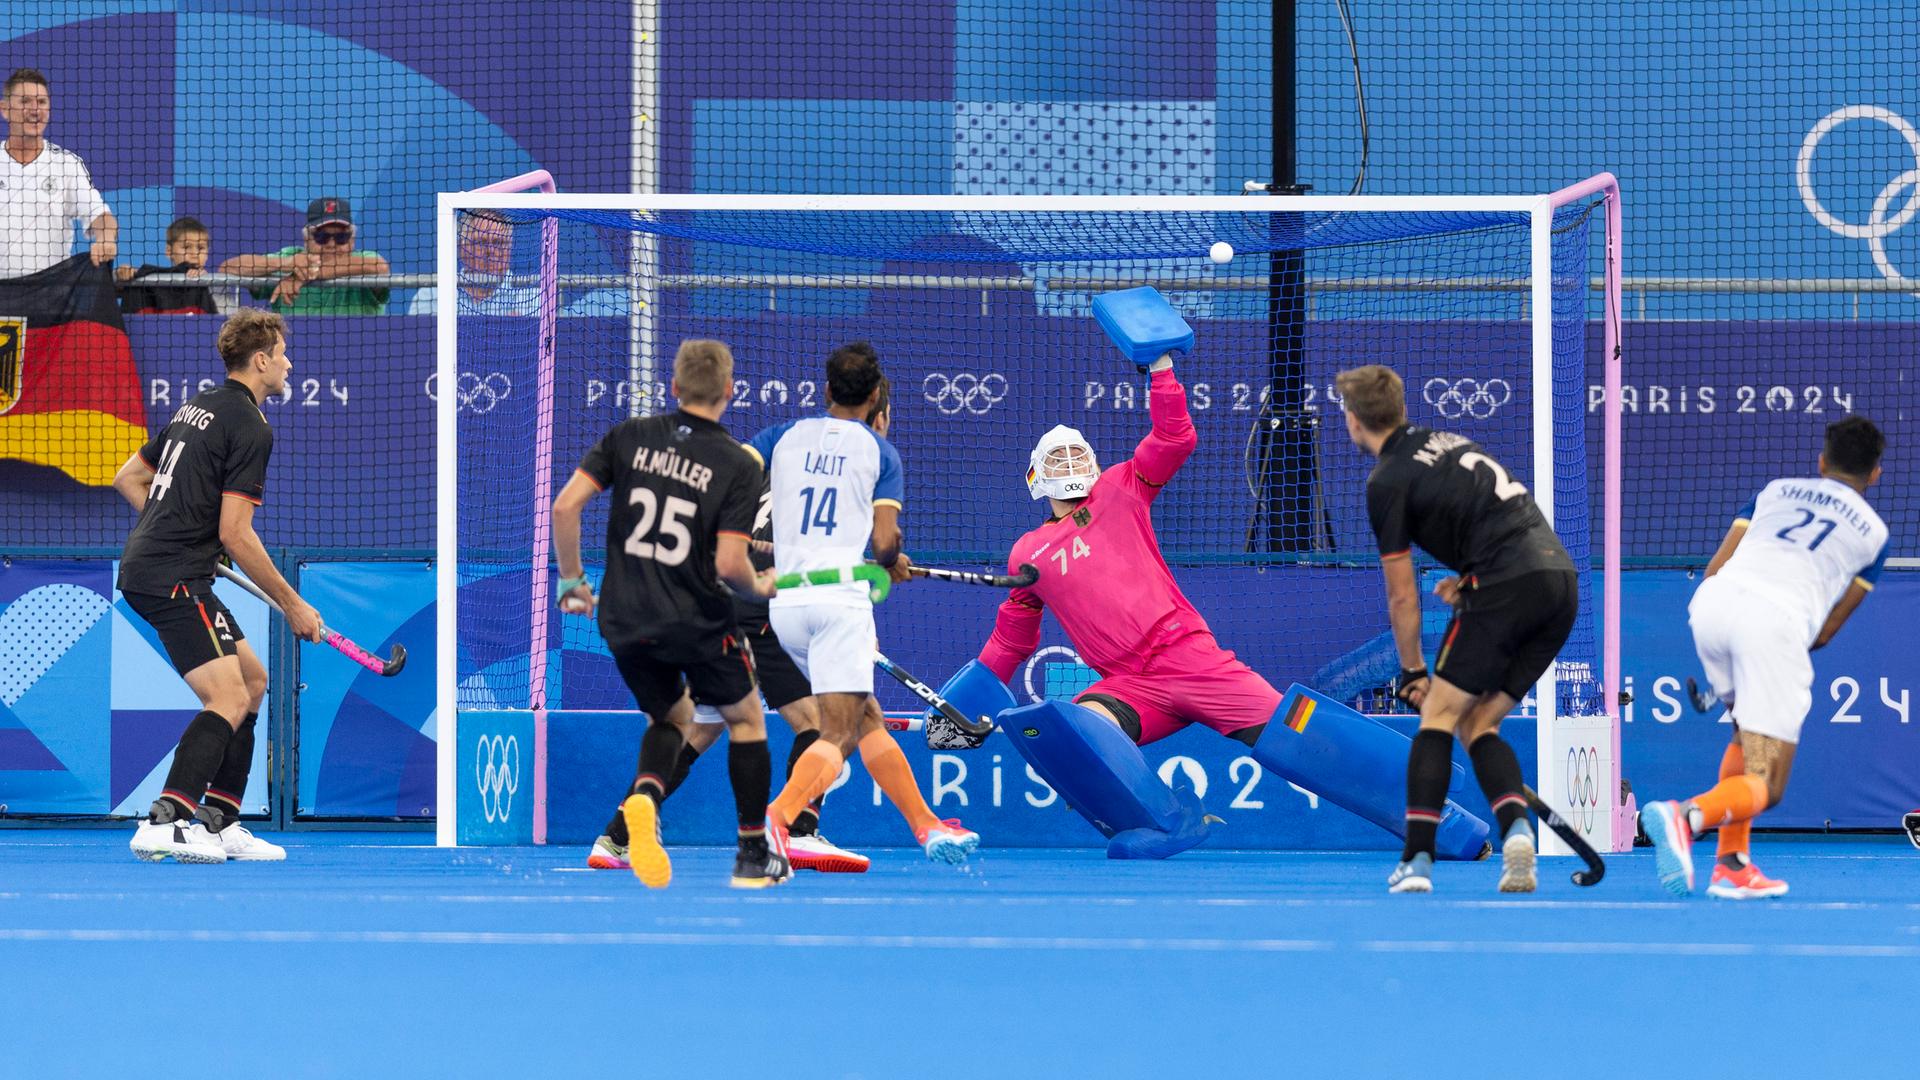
(1220, 252)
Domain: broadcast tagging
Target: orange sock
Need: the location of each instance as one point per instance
(1737, 798)
(812, 775)
(883, 758)
(1734, 834)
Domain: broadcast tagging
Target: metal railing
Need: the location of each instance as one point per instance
(1639, 288)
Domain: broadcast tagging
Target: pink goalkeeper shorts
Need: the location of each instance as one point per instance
(1192, 681)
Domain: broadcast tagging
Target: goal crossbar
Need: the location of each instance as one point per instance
(1536, 210)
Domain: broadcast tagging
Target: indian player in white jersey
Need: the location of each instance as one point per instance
(837, 485)
(1796, 563)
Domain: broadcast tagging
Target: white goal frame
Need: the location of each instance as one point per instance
(1606, 822)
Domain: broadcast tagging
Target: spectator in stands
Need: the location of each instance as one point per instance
(486, 258)
(187, 244)
(328, 252)
(44, 190)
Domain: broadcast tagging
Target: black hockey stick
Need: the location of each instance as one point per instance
(353, 652)
(1703, 702)
(947, 728)
(1596, 869)
(1028, 574)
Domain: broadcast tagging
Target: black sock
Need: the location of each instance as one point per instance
(195, 760)
(806, 822)
(801, 740)
(750, 768)
(1429, 768)
(1498, 771)
(659, 752)
(681, 767)
(221, 807)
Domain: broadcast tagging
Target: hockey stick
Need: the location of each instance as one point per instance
(389, 666)
(1596, 869)
(947, 728)
(1703, 702)
(1028, 574)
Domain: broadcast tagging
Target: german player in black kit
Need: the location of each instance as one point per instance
(684, 494)
(784, 689)
(196, 485)
(1514, 599)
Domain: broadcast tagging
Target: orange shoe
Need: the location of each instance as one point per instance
(1746, 883)
(948, 841)
(645, 854)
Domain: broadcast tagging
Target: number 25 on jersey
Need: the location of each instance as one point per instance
(673, 540)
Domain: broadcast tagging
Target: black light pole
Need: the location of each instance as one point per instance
(1287, 429)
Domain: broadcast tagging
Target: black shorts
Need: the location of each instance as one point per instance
(1503, 636)
(781, 681)
(718, 669)
(193, 625)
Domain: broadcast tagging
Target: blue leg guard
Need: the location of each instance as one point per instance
(1102, 775)
(1359, 766)
(976, 691)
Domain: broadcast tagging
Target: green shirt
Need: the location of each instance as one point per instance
(325, 298)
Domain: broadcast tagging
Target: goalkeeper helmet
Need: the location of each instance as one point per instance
(1062, 466)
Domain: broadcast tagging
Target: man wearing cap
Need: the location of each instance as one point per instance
(328, 252)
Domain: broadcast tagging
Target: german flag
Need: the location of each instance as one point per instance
(1300, 713)
(69, 395)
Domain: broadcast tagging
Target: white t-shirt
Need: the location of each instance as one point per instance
(826, 475)
(39, 204)
(1807, 540)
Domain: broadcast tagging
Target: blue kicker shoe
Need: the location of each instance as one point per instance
(1195, 824)
(1666, 825)
(1413, 875)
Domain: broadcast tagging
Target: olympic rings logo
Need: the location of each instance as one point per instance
(1879, 224)
(496, 765)
(1040, 659)
(474, 393)
(1583, 786)
(1454, 398)
(975, 394)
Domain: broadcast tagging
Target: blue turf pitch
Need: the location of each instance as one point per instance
(367, 955)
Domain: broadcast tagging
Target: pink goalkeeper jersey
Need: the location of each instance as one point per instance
(1100, 566)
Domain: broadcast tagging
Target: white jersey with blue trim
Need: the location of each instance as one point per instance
(1807, 540)
(826, 476)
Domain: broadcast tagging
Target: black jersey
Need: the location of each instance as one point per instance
(1443, 492)
(752, 609)
(677, 481)
(216, 445)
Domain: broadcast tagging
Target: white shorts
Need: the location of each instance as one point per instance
(834, 644)
(1756, 657)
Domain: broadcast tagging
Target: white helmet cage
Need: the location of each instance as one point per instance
(1062, 465)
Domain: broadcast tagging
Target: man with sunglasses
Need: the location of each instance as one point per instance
(328, 252)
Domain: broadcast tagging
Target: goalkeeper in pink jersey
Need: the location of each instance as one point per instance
(1101, 574)
(1160, 667)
